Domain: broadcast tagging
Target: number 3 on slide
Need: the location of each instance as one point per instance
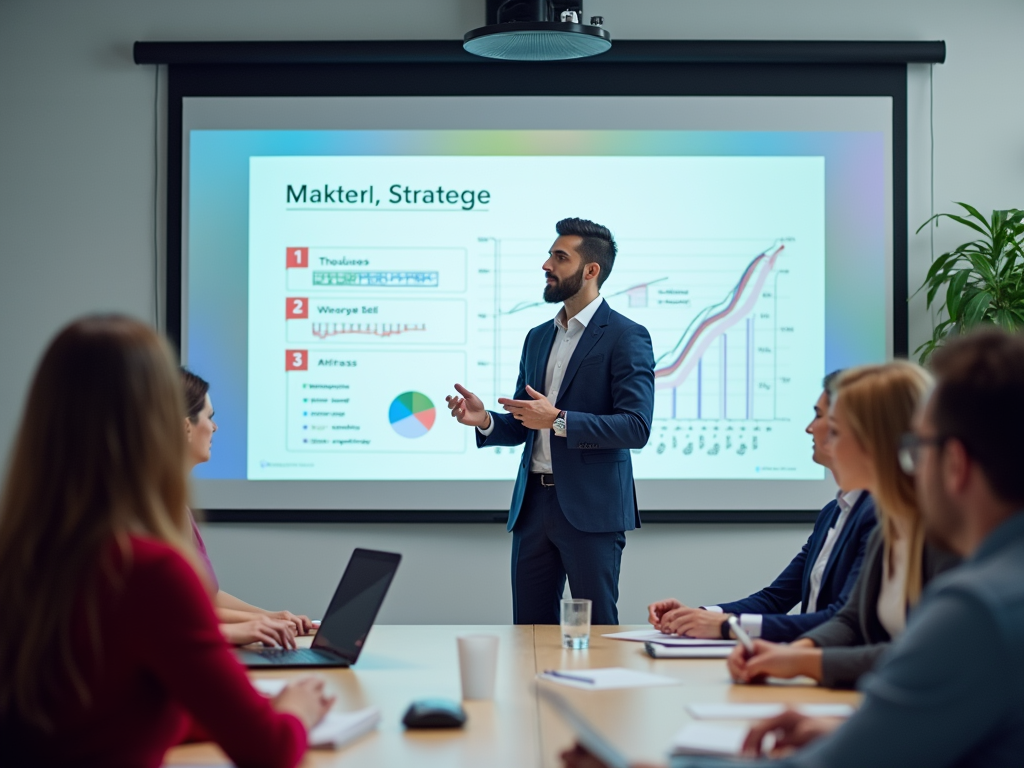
(296, 360)
(298, 258)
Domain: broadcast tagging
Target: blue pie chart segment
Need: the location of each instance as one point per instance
(411, 414)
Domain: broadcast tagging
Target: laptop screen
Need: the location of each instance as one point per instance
(355, 604)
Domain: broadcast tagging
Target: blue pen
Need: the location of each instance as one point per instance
(556, 673)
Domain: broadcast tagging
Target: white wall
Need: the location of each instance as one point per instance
(77, 158)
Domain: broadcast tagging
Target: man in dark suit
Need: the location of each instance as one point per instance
(819, 579)
(584, 398)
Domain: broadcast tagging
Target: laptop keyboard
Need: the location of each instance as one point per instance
(288, 656)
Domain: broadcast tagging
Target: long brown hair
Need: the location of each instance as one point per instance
(99, 454)
(879, 401)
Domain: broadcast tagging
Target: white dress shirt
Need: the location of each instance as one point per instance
(847, 501)
(567, 338)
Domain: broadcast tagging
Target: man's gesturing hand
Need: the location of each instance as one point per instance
(537, 413)
(468, 409)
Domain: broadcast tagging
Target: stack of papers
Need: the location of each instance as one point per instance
(337, 728)
(605, 679)
(764, 711)
(708, 739)
(654, 636)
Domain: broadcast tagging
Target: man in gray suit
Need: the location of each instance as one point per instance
(950, 691)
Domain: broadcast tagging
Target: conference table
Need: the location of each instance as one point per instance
(404, 663)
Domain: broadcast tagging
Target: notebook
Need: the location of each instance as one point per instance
(710, 739)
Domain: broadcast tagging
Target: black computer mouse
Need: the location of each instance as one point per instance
(434, 713)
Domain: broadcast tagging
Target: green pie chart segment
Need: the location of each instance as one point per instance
(412, 414)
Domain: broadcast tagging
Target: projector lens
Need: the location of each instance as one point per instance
(536, 45)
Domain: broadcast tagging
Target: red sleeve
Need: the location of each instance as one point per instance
(185, 651)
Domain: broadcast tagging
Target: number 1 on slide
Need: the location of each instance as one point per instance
(297, 258)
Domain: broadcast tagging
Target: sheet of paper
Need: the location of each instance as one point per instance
(337, 728)
(688, 651)
(605, 679)
(762, 711)
(269, 686)
(710, 739)
(654, 636)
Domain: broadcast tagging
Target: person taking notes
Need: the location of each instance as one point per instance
(240, 623)
(949, 693)
(819, 579)
(873, 407)
(109, 647)
(584, 398)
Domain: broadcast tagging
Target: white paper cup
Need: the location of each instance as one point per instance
(478, 665)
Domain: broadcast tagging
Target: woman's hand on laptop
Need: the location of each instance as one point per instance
(260, 629)
(303, 624)
(306, 699)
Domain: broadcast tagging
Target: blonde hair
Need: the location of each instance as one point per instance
(99, 455)
(879, 402)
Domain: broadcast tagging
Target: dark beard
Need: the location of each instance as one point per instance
(564, 289)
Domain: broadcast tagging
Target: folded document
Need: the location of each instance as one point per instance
(763, 711)
(654, 636)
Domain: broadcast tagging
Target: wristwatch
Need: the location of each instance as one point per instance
(726, 629)
(559, 425)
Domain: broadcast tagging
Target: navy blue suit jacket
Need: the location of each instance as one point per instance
(608, 395)
(793, 586)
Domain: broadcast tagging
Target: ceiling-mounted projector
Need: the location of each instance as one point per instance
(537, 30)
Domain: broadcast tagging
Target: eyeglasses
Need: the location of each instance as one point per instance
(909, 453)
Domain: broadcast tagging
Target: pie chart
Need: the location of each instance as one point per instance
(412, 414)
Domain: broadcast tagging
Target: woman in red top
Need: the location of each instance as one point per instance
(109, 647)
(240, 622)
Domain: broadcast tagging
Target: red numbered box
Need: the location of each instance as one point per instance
(297, 258)
(296, 360)
(296, 308)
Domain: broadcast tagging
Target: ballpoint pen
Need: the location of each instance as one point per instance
(577, 678)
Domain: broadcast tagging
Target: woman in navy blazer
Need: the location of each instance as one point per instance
(766, 613)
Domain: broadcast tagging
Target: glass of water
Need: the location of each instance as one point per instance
(576, 624)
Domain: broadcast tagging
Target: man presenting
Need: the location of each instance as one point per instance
(584, 398)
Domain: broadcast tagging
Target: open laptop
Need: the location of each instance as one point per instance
(348, 620)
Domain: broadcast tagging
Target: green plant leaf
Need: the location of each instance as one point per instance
(954, 293)
(976, 214)
(1004, 319)
(968, 223)
(975, 309)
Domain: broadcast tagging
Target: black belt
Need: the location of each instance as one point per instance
(546, 479)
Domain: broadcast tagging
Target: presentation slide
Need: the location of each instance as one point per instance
(347, 261)
(376, 283)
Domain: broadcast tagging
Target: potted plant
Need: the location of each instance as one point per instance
(983, 279)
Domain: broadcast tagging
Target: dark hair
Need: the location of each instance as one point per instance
(598, 246)
(976, 374)
(828, 384)
(195, 388)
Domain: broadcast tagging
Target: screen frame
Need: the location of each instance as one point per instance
(440, 68)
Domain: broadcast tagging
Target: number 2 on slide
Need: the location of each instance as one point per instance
(295, 308)
(297, 258)
(296, 360)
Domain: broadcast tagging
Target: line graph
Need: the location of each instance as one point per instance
(381, 330)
